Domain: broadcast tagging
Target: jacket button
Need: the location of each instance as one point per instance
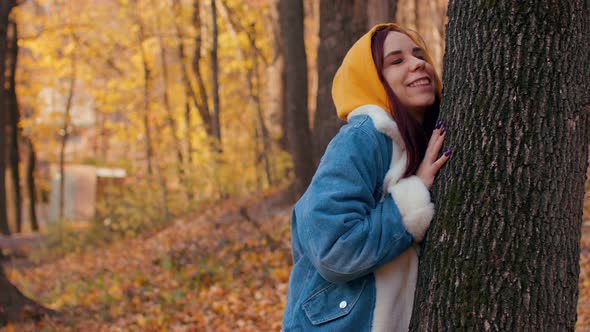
(343, 304)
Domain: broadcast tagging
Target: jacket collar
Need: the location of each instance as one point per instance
(382, 122)
(385, 124)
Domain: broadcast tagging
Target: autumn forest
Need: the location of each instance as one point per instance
(153, 150)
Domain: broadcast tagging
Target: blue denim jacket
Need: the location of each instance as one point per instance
(342, 229)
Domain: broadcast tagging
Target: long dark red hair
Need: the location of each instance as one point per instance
(414, 134)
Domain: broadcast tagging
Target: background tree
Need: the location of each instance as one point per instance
(503, 251)
(13, 128)
(5, 8)
(295, 99)
(342, 23)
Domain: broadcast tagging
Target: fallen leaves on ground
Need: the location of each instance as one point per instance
(215, 272)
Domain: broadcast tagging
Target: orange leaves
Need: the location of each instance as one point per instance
(215, 272)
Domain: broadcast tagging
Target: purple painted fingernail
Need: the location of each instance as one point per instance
(448, 153)
(442, 131)
(438, 124)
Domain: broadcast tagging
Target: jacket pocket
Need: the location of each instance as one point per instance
(333, 301)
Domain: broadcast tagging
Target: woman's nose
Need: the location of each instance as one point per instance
(418, 64)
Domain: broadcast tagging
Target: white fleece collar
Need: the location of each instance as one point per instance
(382, 121)
(385, 124)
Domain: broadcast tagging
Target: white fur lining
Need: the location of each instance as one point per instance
(395, 282)
(413, 201)
(410, 194)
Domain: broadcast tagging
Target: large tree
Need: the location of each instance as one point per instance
(502, 253)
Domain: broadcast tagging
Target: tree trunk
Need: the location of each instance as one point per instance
(503, 251)
(215, 75)
(5, 8)
(252, 83)
(32, 191)
(64, 138)
(14, 306)
(147, 82)
(274, 101)
(14, 128)
(381, 11)
(296, 116)
(168, 107)
(342, 23)
(189, 93)
(204, 104)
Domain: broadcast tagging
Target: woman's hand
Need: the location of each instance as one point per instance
(430, 165)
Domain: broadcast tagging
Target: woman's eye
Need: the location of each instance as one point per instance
(396, 62)
(421, 57)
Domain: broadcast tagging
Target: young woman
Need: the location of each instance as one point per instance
(355, 265)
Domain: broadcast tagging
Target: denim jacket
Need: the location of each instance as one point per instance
(351, 230)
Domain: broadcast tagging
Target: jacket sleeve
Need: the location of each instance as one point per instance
(342, 229)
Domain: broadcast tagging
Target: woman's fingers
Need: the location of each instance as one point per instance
(442, 160)
(434, 148)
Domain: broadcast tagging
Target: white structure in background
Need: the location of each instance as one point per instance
(83, 187)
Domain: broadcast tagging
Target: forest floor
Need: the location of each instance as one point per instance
(223, 270)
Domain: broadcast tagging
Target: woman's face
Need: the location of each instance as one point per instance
(410, 77)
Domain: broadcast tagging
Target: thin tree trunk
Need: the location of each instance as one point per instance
(147, 82)
(64, 137)
(168, 107)
(189, 93)
(5, 8)
(32, 191)
(503, 251)
(215, 75)
(14, 128)
(342, 23)
(252, 82)
(204, 104)
(296, 115)
(274, 101)
(157, 172)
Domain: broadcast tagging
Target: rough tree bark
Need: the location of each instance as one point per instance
(296, 117)
(342, 23)
(502, 253)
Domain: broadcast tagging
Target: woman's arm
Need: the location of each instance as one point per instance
(342, 229)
